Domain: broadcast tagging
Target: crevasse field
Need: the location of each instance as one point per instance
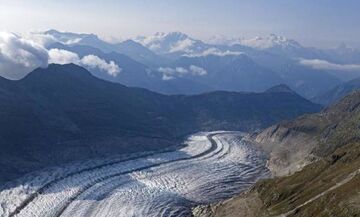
(211, 166)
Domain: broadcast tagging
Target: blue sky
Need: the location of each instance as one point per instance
(322, 23)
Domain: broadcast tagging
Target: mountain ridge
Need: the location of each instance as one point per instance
(166, 50)
(62, 113)
(336, 93)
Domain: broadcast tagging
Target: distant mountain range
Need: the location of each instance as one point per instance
(129, 47)
(63, 113)
(161, 63)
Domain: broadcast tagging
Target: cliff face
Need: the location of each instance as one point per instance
(289, 149)
(320, 154)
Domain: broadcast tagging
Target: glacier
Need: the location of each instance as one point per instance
(211, 166)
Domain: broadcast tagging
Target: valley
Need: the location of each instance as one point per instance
(164, 108)
(75, 116)
(210, 167)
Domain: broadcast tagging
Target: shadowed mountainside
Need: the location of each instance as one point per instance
(335, 94)
(63, 113)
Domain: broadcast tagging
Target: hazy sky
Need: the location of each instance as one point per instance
(321, 23)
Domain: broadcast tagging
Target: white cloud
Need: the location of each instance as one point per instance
(153, 42)
(149, 40)
(269, 42)
(41, 38)
(154, 47)
(59, 56)
(182, 46)
(93, 61)
(215, 52)
(18, 55)
(167, 73)
(171, 42)
(325, 65)
(171, 73)
(181, 70)
(72, 41)
(47, 39)
(196, 70)
(167, 77)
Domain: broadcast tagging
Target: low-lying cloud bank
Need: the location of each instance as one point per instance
(20, 55)
(182, 46)
(93, 61)
(325, 65)
(17, 55)
(215, 52)
(59, 56)
(169, 73)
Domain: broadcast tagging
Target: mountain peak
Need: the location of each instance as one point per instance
(129, 41)
(130, 44)
(51, 32)
(56, 71)
(54, 31)
(270, 41)
(164, 43)
(280, 88)
(69, 66)
(175, 34)
(68, 37)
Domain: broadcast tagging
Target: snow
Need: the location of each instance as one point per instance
(172, 42)
(269, 42)
(161, 184)
(258, 42)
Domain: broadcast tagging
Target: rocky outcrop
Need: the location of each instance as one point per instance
(293, 144)
(289, 149)
(246, 205)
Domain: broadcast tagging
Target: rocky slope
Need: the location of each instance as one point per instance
(328, 187)
(293, 144)
(320, 153)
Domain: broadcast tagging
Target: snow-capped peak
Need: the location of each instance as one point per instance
(160, 37)
(69, 37)
(270, 41)
(171, 42)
